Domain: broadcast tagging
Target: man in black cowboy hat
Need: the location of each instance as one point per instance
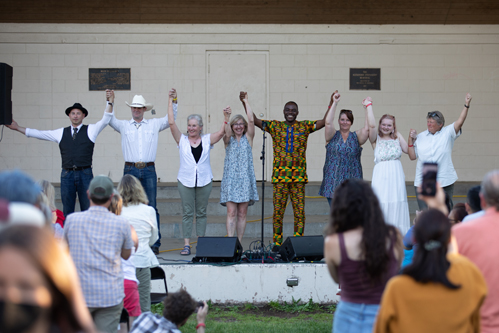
(76, 143)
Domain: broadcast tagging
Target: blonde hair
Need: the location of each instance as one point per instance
(235, 119)
(116, 203)
(49, 191)
(131, 191)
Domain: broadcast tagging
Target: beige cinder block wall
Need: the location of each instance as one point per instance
(423, 68)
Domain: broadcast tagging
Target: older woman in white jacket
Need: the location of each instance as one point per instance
(194, 175)
(143, 218)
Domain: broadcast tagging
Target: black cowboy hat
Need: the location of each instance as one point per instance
(77, 106)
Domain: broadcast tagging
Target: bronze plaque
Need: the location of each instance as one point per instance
(365, 78)
(109, 78)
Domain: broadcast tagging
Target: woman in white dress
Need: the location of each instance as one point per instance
(388, 180)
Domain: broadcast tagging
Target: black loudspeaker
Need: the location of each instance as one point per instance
(308, 248)
(5, 94)
(218, 249)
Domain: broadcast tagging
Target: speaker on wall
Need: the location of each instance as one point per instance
(5, 94)
(309, 248)
(218, 249)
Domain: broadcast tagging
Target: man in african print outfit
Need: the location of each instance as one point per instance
(289, 175)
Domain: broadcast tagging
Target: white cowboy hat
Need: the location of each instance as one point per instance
(140, 102)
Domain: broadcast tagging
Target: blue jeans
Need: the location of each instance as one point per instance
(73, 182)
(149, 181)
(354, 317)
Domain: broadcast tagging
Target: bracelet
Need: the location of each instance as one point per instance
(175, 99)
(466, 106)
(411, 146)
(201, 325)
(369, 104)
(109, 103)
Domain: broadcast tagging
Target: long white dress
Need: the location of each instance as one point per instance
(388, 183)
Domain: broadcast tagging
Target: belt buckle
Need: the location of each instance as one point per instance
(140, 165)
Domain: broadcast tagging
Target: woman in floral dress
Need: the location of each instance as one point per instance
(388, 180)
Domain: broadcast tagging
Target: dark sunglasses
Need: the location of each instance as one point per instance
(433, 114)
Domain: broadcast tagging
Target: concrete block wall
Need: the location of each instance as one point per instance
(423, 68)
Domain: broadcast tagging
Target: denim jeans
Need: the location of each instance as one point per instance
(73, 182)
(354, 317)
(149, 181)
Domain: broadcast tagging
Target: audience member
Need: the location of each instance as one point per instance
(362, 252)
(49, 191)
(436, 293)
(194, 178)
(477, 240)
(39, 288)
(131, 302)
(458, 213)
(16, 186)
(178, 307)
(143, 219)
(473, 204)
(97, 239)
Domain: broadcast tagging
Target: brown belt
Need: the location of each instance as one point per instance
(140, 165)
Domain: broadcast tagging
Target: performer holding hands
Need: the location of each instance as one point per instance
(388, 181)
(343, 148)
(194, 175)
(238, 190)
(435, 145)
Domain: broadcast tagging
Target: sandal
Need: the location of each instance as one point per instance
(186, 251)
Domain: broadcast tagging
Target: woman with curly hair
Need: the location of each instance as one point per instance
(362, 253)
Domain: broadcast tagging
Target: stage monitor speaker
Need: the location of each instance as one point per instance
(218, 249)
(5, 94)
(308, 248)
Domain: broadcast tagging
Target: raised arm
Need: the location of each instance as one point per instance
(257, 122)
(410, 146)
(462, 117)
(228, 133)
(371, 122)
(403, 143)
(215, 137)
(15, 126)
(110, 100)
(172, 95)
(363, 133)
(95, 129)
(329, 120)
(250, 133)
(319, 124)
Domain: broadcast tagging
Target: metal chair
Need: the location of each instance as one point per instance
(157, 273)
(125, 318)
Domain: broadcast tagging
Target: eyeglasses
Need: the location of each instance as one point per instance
(433, 114)
(238, 124)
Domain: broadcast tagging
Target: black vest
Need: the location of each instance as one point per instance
(77, 152)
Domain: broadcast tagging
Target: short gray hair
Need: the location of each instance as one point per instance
(437, 116)
(490, 189)
(198, 117)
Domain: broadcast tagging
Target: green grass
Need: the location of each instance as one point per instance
(277, 317)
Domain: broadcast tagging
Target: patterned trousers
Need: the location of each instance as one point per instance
(297, 193)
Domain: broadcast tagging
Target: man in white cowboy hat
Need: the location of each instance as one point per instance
(76, 143)
(139, 142)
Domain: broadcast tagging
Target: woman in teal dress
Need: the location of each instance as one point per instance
(343, 148)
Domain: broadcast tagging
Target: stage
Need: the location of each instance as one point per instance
(244, 282)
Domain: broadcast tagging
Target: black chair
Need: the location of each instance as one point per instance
(157, 273)
(125, 318)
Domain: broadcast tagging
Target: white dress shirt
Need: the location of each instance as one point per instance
(140, 144)
(189, 171)
(143, 218)
(437, 148)
(93, 130)
(473, 216)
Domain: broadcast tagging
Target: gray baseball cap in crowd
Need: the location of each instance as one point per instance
(101, 187)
